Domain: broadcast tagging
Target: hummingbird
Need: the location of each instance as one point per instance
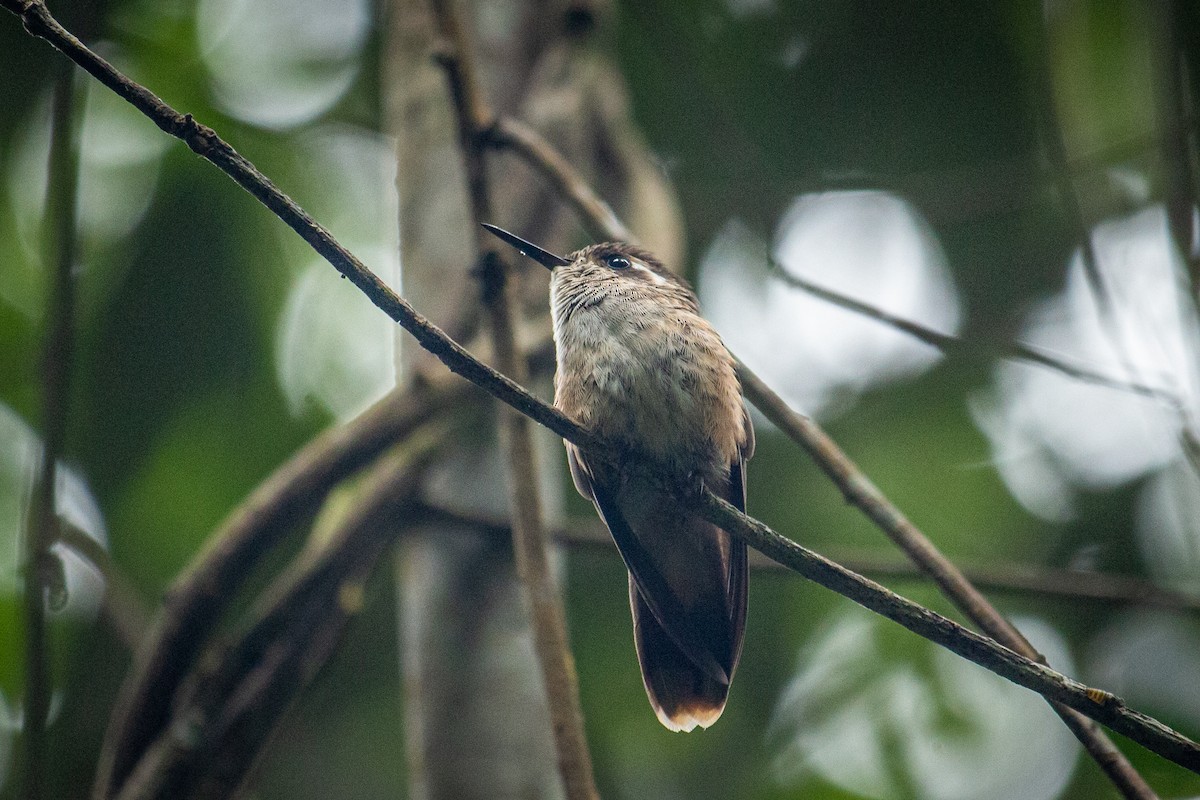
(637, 364)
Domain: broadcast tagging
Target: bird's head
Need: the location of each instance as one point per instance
(611, 265)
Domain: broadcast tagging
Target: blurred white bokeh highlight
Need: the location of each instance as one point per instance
(119, 158)
(120, 155)
(333, 348)
(882, 725)
(281, 63)
(871, 246)
(1052, 434)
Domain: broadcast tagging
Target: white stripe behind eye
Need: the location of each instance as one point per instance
(659, 279)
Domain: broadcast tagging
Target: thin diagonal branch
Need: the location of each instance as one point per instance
(529, 537)
(1095, 703)
(1055, 147)
(1054, 143)
(1173, 115)
(1178, 137)
(597, 216)
(954, 346)
(1056, 151)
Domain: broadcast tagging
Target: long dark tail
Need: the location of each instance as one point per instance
(687, 590)
(681, 694)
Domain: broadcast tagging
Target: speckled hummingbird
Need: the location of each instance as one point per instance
(637, 364)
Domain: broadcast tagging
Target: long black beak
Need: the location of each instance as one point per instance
(543, 257)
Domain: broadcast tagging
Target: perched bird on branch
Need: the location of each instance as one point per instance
(637, 364)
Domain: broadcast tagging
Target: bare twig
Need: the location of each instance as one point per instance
(1067, 584)
(1056, 151)
(530, 541)
(1095, 703)
(952, 345)
(1176, 120)
(40, 564)
(1023, 579)
(196, 600)
(510, 134)
(1178, 132)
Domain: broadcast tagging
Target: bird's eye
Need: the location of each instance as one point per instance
(617, 262)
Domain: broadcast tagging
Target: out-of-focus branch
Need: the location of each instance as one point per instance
(1097, 704)
(196, 601)
(530, 541)
(1066, 584)
(57, 355)
(954, 346)
(510, 134)
(1056, 152)
(218, 729)
(1021, 579)
(1054, 144)
(1177, 123)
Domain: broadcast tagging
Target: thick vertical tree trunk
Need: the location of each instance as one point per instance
(476, 720)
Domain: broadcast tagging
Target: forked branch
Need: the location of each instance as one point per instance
(1097, 704)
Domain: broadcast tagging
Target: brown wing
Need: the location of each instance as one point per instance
(688, 584)
(739, 571)
(686, 624)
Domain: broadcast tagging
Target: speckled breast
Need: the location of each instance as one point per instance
(661, 381)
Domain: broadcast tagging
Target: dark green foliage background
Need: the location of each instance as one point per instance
(176, 413)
